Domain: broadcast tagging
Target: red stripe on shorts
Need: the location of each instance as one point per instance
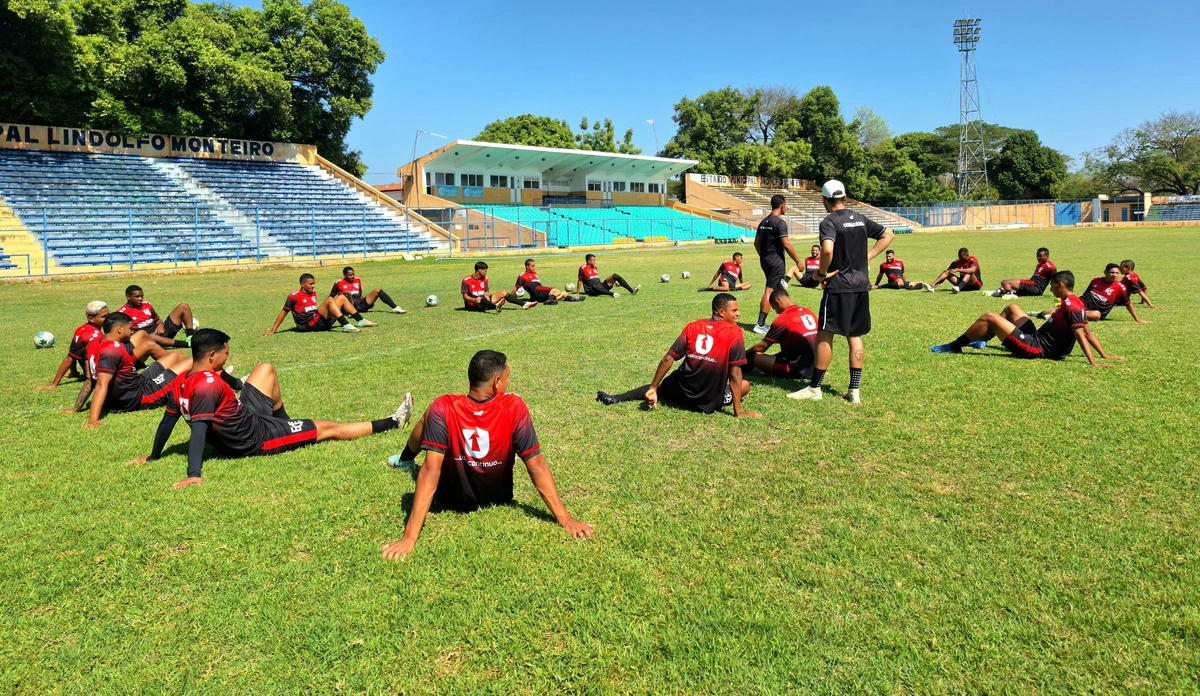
(292, 439)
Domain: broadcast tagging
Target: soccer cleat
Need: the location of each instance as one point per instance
(806, 394)
(1009, 296)
(978, 345)
(761, 329)
(955, 289)
(398, 310)
(993, 293)
(635, 289)
(616, 295)
(945, 348)
(366, 324)
(350, 328)
(852, 396)
(404, 411)
(529, 305)
(408, 465)
(1040, 315)
(606, 398)
(928, 287)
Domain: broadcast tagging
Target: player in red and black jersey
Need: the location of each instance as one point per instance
(161, 331)
(713, 352)
(475, 294)
(795, 332)
(76, 358)
(963, 273)
(351, 286)
(1134, 284)
(728, 276)
(1035, 286)
(1106, 292)
(471, 443)
(114, 383)
(256, 424)
(591, 284)
(893, 269)
(535, 292)
(1066, 326)
(812, 263)
(310, 314)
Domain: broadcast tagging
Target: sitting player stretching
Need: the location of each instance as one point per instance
(728, 277)
(812, 263)
(963, 273)
(351, 286)
(1065, 326)
(256, 424)
(536, 292)
(1134, 284)
(893, 268)
(1035, 286)
(474, 291)
(713, 352)
(1103, 294)
(590, 283)
(471, 443)
(76, 358)
(161, 331)
(795, 332)
(312, 315)
(114, 383)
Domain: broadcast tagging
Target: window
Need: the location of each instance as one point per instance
(444, 178)
(472, 180)
(593, 185)
(637, 187)
(499, 181)
(429, 178)
(618, 186)
(532, 182)
(655, 188)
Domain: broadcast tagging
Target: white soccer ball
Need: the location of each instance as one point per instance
(685, 275)
(431, 301)
(570, 287)
(520, 292)
(43, 339)
(665, 278)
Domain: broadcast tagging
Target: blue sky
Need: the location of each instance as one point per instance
(1076, 72)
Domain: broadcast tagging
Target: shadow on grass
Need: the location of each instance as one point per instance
(406, 504)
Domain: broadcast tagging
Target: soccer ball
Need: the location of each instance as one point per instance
(43, 339)
(685, 275)
(520, 292)
(570, 287)
(665, 278)
(431, 301)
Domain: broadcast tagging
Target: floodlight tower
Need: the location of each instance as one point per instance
(972, 155)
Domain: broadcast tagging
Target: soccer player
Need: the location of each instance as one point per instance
(76, 357)
(536, 292)
(771, 241)
(1056, 338)
(812, 262)
(256, 424)
(795, 332)
(845, 272)
(893, 268)
(1134, 284)
(713, 353)
(1106, 292)
(471, 443)
(963, 273)
(1034, 286)
(114, 383)
(728, 276)
(351, 286)
(590, 283)
(313, 315)
(161, 331)
(474, 291)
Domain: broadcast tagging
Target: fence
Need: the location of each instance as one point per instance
(978, 214)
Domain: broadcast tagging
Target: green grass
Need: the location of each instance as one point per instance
(978, 524)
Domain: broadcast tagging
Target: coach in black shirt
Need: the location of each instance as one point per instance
(845, 268)
(771, 242)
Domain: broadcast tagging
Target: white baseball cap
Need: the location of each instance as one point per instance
(833, 189)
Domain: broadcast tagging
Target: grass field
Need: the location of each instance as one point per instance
(978, 524)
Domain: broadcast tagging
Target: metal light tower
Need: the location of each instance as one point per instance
(972, 155)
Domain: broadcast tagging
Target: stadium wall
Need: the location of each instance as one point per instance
(85, 140)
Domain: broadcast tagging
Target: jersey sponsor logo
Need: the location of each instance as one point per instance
(854, 224)
(477, 442)
(809, 322)
(704, 344)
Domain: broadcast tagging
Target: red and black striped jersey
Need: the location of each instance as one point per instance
(303, 306)
(731, 270)
(144, 317)
(708, 348)
(352, 289)
(1044, 272)
(79, 342)
(812, 264)
(1058, 333)
(958, 265)
(587, 273)
(475, 287)
(204, 397)
(529, 281)
(795, 330)
(894, 270)
(1133, 283)
(116, 358)
(1102, 295)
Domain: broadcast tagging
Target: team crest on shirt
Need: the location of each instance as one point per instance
(477, 442)
(704, 344)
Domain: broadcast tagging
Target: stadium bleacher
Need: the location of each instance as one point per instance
(805, 208)
(570, 226)
(1175, 212)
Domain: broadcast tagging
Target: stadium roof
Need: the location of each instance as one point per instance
(552, 161)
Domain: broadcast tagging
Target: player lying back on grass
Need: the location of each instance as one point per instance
(590, 283)
(471, 443)
(76, 357)
(256, 424)
(795, 332)
(713, 352)
(1035, 285)
(351, 286)
(1066, 326)
(161, 331)
(313, 315)
(1104, 293)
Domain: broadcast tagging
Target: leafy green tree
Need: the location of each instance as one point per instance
(776, 105)
(870, 128)
(712, 123)
(1161, 155)
(1027, 169)
(602, 138)
(527, 129)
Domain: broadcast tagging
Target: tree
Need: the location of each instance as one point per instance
(712, 123)
(869, 128)
(1027, 169)
(1161, 155)
(602, 138)
(776, 104)
(527, 129)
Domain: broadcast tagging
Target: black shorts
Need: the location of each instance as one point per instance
(809, 280)
(275, 435)
(1104, 312)
(483, 305)
(1024, 341)
(793, 369)
(973, 285)
(360, 304)
(170, 328)
(845, 313)
(540, 295)
(891, 285)
(1032, 288)
(153, 390)
(317, 323)
(776, 272)
(668, 390)
(595, 288)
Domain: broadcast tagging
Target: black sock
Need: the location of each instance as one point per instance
(960, 342)
(486, 303)
(356, 316)
(384, 424)
(180, 344)
(189, 332)
(408, 454)
(988, 336)
(281, 413)
(342, 320)
(233, 382)
(386, 300)
(621, 282)
(638, 394)
(762, 318)
(818, 379)
(855, 377)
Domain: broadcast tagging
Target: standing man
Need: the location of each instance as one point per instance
(771, 241)
(351, 286)
(845, 304)
(76, 357)
(1035, 286)
(590, 283)
(475, 294)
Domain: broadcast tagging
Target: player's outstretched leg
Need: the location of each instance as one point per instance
(381, 295)
(621, 281)
(347, 307)
(333, 430)
(638, 394)
(407, 459)
(983, 329)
